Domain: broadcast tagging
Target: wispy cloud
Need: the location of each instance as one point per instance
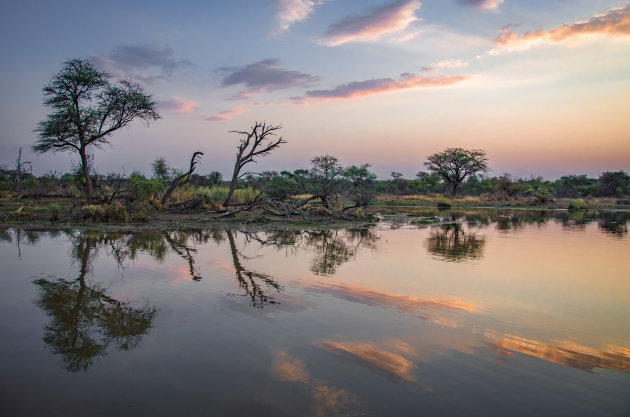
(450, 63)
(179, 105)
(380, 86)
(263, 76)
(382, 361)
(374, 25)
(614, 23)
(289, 12)
(142, 62)
(481, 4)
(225, 115)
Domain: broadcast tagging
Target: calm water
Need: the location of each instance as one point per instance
(486, 313)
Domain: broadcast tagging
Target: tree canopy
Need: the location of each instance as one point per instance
(454, 165)
(87, 109)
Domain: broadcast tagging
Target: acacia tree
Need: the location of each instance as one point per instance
(325, 178)
(260, 140)
(87, 109)
(454, 165)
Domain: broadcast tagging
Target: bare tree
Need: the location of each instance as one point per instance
(182, 179)
(21, 169)
(260, 140)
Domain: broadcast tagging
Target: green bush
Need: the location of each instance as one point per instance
(54, 210)
(215, 194)
(280, 188)
(576, 204)
(144, 188)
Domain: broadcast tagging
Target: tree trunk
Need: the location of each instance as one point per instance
(454, 188)
(86, 174)
(228, 199)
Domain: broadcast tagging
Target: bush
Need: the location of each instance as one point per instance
(145, 188)
(116, 211)
(280, 188)
(443, 202)
(576, 204)
(92, 212)
(54, 210)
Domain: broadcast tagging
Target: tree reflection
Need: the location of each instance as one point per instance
(250, 281)
(84, 320)
(451, 242)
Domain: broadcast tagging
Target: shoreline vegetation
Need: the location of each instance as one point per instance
(57, 211)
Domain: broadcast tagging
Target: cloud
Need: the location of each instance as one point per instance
(566, 353)
(225, 115)
(179, 105)
(481, 4)
(358, 89)
(289, 12)
(383, 361)
(263, 76)
(450, 63)
(382, 21)
(142, 62)
(615, 23)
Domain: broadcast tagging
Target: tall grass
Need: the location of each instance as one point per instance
(217, 194)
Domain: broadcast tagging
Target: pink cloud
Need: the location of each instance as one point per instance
(289, 12)
(225, 115)
(382, 21)
(179, 105)
(614, 23)
(482, 4)
(380, 86)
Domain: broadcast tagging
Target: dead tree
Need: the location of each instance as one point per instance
(182, 179)
(21, 169)
(259, 141)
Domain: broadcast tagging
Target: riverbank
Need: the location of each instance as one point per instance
(46, 212)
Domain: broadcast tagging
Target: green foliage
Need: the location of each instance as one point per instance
(613, 184)
(215, 194)
(325, 178)
(161, 170)
(359, 184)
(279, 188)
(145, 189)
(576, 204)
(454, 165)
(54, 210)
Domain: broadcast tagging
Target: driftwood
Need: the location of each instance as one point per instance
(184, 205)
(275, 207)
(182, 179)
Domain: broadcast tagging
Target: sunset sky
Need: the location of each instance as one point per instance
(543, 86)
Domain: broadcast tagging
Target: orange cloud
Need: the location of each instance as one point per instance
(380, 360)
(289, 369)
(380, 22)
(179, 105)
(328, 400)
(225, 115)
(566, 353)
(380, 86)
(402, 303)
(615, 23)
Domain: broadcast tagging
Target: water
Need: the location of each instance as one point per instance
(484, 313)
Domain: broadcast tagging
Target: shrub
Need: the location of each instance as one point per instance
(280, 188)
(116, 211)
(54, 210)
(145, 188)
(443, 202)
(92, 212)
(576, 204)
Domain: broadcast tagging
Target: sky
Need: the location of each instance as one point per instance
(542, 86)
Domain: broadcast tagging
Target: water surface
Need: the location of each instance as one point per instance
(438, 313)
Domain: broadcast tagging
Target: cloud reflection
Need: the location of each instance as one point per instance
(383, 361)
(566, 353)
